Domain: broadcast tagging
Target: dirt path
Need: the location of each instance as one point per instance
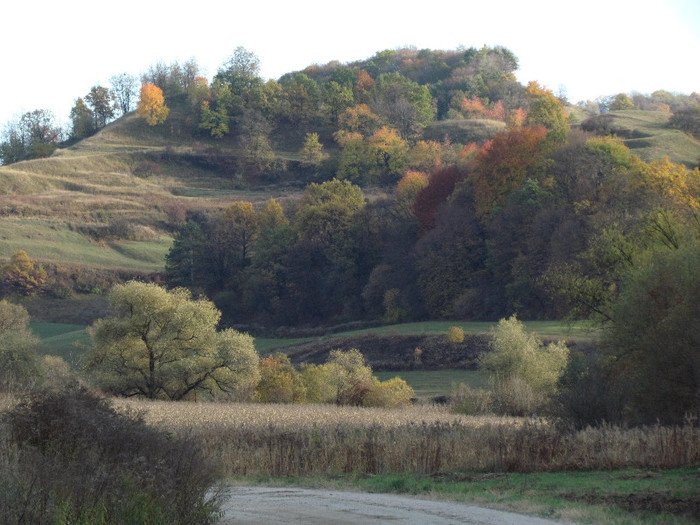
(276, 506)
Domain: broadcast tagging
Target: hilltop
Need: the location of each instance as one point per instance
(107, 207)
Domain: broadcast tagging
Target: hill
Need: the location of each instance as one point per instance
(112, 201)
(649, 136)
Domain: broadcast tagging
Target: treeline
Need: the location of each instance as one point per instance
(538, 221)
(377, 107)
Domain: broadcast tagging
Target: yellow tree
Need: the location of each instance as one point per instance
(21, 275)
(152, 105)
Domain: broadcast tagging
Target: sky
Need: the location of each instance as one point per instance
(54, 52)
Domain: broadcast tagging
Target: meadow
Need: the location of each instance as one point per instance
(647, 135)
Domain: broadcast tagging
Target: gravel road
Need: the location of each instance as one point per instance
(276, 506)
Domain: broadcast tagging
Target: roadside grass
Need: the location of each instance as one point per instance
(623, 497)
(647, 134)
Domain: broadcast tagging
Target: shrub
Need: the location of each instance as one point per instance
(71, 458)
(469, 401)
(19, 364)
(279, 381)
(392, 393)
(525, 371)
(455, 334)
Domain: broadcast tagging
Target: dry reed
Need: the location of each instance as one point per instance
(297, 440)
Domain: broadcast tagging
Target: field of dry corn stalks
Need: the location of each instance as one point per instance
(299, 440)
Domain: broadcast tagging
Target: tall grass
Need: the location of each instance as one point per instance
(282, 440)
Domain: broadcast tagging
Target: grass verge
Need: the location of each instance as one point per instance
(628, 496)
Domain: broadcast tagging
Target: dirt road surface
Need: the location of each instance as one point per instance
(276, 506)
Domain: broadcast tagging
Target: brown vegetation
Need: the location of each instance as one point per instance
(284, 440)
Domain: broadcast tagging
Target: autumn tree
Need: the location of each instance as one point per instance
(406, 191)
(546, 110)
(440, 185)
(152, 106)
(389, 152)
(21, 275)
(359, 119)
(502, 165)
(163, 344)
(621, 102)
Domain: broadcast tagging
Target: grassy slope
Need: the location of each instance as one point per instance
(649, 137)
(118, 175)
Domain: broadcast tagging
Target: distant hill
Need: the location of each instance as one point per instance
(649, 136)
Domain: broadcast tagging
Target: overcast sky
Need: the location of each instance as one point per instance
(54, 51)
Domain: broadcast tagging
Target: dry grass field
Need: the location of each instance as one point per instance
(303, 440)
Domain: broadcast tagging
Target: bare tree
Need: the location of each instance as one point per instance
(124, 87)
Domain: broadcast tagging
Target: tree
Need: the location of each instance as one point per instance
(82, 120)
(518, 357)
(152, 106)
(621, 102)
(19, 363)
(405, 104)
(502, 165)
(311, 152)
(101, 101)
(163, 344)
(184, 262)
(546, 110)
(33, 135)
(654, 345)
(687, 120)
(389, 152)
(124, 89)
(21, 275)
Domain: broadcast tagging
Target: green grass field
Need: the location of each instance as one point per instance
(432, 383)
(545, 329)
(651, 138)
(68, 341)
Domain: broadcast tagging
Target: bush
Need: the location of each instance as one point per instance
(279, 381)
(455, 334)
(392, 393)
(470, 401)
(525, 371)
(71, 458)
(19, 364)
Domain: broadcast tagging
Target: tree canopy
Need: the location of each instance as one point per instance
(164, 344)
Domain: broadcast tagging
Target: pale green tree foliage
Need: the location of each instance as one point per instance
(621, 102)
(525, 371)
(19, 364)
(164, 344)
(311, 152)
